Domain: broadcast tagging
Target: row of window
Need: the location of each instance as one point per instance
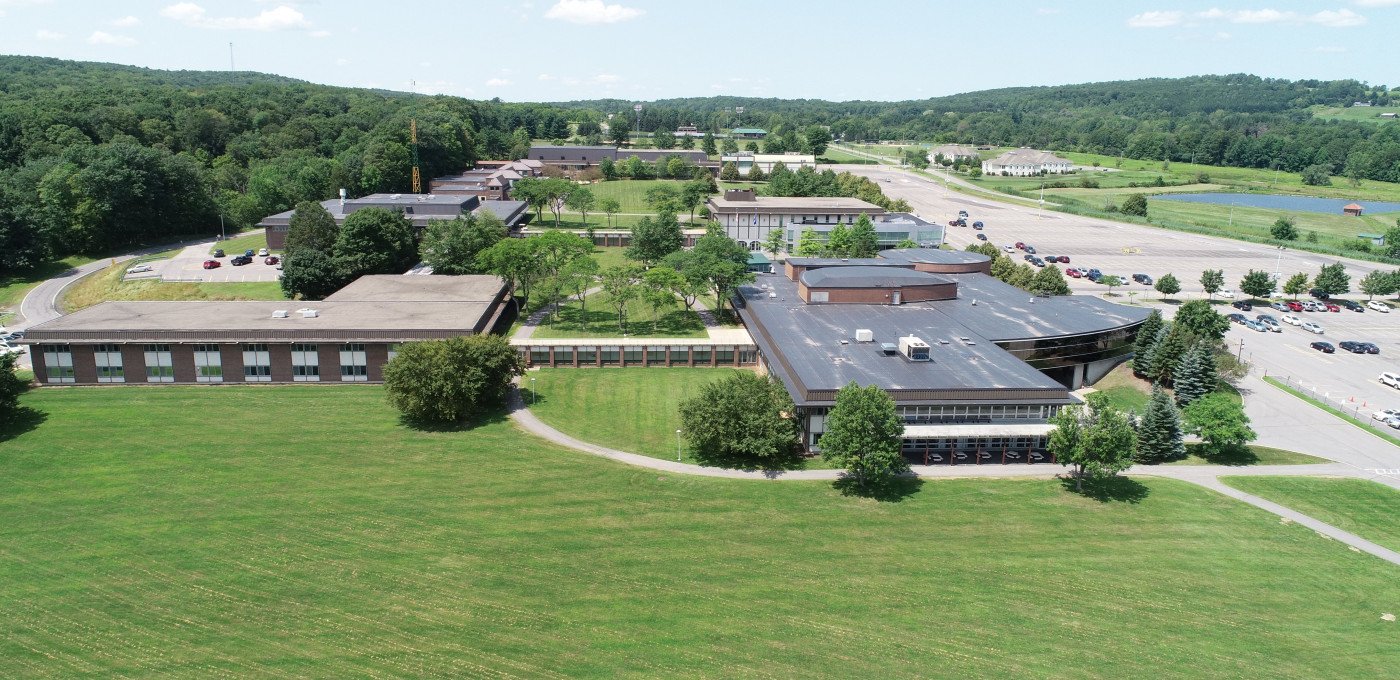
(208, 363)
(977, 413)
(654, 354)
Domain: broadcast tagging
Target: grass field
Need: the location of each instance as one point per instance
(332, 541)
(1360, 506)
(642, 321)
(1364, 114)
(235, 245)
(108, 285)
(15, 285)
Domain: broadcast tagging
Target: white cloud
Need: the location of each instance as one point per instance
(497, 82)
(105, 38)
(591, 12)
(606, 78)
(125, 22)
(1155, 19)
(45, 34)
(278, 18)
(1341, 18)
(544, 76)
(1261, 16)
(320, 34)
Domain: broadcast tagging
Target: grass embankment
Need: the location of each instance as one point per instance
(1333, 410)
(108, 284)
(601, 321)
(341, 543)
(235, 245)
(15, 285)
(1360, 506)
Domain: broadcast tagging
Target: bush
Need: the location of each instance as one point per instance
(1135, 204)
(741, 420)
(451, 380)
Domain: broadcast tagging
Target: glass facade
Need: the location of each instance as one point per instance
(159, 365)
(306, 363)
(1048, 353)
(109, 363)
(354, 366)
(58, 363)
(208, 364)
(257, 363)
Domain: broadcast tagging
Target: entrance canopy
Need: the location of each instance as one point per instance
(978, 430)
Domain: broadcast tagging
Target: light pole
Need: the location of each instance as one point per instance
(1232, 214)
(532, 391)
(223, 235)
(678, 446)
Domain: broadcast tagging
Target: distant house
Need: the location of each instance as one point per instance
(1361, 103)
(749, 133)
(1352, 209)
(952, 152)
(688, 131)
(1025, 163)
(1387, 115)
(491, 180)
(420, 209)
(765, 161)
(1375, 239)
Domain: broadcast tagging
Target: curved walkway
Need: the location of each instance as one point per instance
(1207, 476)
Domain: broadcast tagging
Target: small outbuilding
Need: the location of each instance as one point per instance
(1353, 209)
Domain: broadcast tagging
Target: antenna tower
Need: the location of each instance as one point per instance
(413, 140)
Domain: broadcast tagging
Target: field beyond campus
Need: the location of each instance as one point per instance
(319, 536)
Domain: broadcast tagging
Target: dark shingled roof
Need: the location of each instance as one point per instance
(868, 277)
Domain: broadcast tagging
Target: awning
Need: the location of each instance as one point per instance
(978, 430)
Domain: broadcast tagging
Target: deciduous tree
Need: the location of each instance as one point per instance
(1135, 204)
(1377, 282)
(375, 241)
(864, 242)
(741, 419)
(1296, 285)
(610, 207)
(862, 435)
(1167, 285)
(1049, 281)
(1333, 279)
(1198, 319)
(1257, 284)
(1219, 420)
(654, 238)
(310, 227)
(1212, 280)
(451, 246)
(620, 284)
(809, 244)
(1284, 229)
(1097, 442)
(582, 200)
(451, 380)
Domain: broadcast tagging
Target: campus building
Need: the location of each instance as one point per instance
(578, 157)
(745, 162)
(1026, 162)
(953, 152)
(747, 217)
(348, 337)
(891, 229)
(976, 367)
(489, 181)
(420, 209)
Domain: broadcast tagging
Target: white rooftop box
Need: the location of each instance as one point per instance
(864, 335)
(913, 348)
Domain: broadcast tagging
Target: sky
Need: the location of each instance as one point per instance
(557, 50)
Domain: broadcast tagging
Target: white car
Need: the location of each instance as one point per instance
(1390, 379)
(1009, 248)
(139, 269)
(1227, 294)
(1292, 320)
(262, 252)
(1378, 306)
(1386, 414)
(1312, 327)
(7, 348)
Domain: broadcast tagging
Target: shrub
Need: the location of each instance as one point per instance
(451, 380)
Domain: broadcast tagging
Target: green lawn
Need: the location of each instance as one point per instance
(108, 284)
(329, 540)
(1251, 454)
(1364, 114)
(15, 285)
(1360, 506)
(235, 245)
(602, 321)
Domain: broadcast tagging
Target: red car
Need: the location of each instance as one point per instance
(1294, 306)
(1332, 308)
(1020, 246)
(271, 259)
(1064, 259)
(212, 264)
(1072, 273)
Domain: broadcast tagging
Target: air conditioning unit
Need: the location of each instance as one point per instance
(307, 313)
(864, 335)
(279, 313)
(913, 348)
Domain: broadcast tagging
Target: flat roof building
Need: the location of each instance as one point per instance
(420, 209)
(747, 217)
(745, 162)
(578, 157)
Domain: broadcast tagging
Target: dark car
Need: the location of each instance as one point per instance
(218, 252)
(1237, 318)
(241, 260)
(1030, 249)
(981, 237)
(1064, 259)
(1371, 348)
(1352, 346)
(1143, 279)
(271, 259)
(1319, 294)
(977, 225)
(1037, 262)
(1242, 305)
(1094, 275)
(248, 253)
(1350, 304)
(1324, 347)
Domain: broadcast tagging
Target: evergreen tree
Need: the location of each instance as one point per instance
(838, 242)
(864, 241)
(730, 172)
(708, 144)
(1194, 376)
(755, 174)
(1160, 431)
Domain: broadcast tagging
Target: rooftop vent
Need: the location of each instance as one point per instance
(913, 348)
(396, 196)
(307, 313)
(864, 335)
(279, 313)
(889, 348)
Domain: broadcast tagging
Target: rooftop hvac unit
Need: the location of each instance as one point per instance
(913, 348)
(307, 313)
(864, 335)
(279, 313)
(889, 348)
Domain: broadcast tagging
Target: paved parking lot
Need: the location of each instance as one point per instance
(1125, 249)
(189, 266)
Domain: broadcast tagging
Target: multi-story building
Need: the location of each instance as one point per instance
(1026, 162)
(747, 217)
(745, 162)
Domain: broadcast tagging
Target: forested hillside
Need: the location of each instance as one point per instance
(101, 156)
(1235, 120)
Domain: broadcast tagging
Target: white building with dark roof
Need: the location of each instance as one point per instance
(1025, 163)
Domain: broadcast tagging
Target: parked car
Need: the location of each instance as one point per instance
(1072, 273)
(1051, 258)
(1378, 306)
(1256, 326)
(1094, 275)
(1313, 306)
(7, 348)
(1227, 294)
(212, 264)
(271, 259)
(1351, 304)
(1294, 306)
(1352, 346)
(1064, 259)
(1027, 257)
(241, 260)
(1390, 379)
(1037, 261)
(962, 213)
(957, 223)
(1311, 327)
(1371, 348)
(1394, 423)
(262, 252)
(1386, 414)
(981, 237)
(1324, 347)
(1143, 279)
(1030, 249)
(1020, 245)
(1332, 307)
(1242, 305)
(1270, 322)
(218, 252)
(1319, 294)
(1292, 320)
(1279, 306)
(977, 225)
(1235, 318)
(139, 269)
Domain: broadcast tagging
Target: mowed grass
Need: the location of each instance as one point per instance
(1364, 114)
(15, 285)
(1360, 506)
(642, 404)
(317, 536)
(237, 244)
(595, 317)
(108, 284)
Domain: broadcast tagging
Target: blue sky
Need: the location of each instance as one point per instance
(548, 50)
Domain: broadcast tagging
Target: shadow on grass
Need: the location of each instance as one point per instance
(892, 490)
(1225, 455)
(23, 419)
(792, 461)
(496, 414)
(1117, 489)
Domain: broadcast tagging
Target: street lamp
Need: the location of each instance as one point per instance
(678, 446)
(532, 391)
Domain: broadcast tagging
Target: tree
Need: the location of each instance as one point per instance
(533, 191)
(864, 242)
(729, 145)
(1160, 355)
(1146, 335)
(708, 144)
(755, 174)
(374, 241)
(1112, 281)
(741, 419)
(310, 274)
(1098, 441)
(451, 246)
(1049, 281)
(1377, 282)
(1195, 376)
(310, 227)
(1219, 420)
(863, 434)
(451, 380)
(1167, 285)
(664, 140)
(11, 386)
(1160, 431)
(620, 285)
(1333, 279)
(1198, 319)
(693, 195)
(1135, 204)
(576, 278)
(581, 199)
(721, 262)
(610, 206)
(658, 291)
(838, 241)
(655, 238)
(1212, 280)
(1284, 229)
(1257, 284)
(815, 139)
(774, 243)
(517, 261)
(730, 172)
(1296, 285)
(663, 198)
(556, 192)
(607, 167)
(1392, 240)
(1317, 175)
(666, 277)
(619, 130)
(809, 244)
(906, 243)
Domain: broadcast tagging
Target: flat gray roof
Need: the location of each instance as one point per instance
(868, 277)
(932, 256)
(844, 262)
(436, 288)
(1005, 312)
(816, 203)
(506, 210)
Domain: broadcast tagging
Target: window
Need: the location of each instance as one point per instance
(748, 355)
(612, 355)
(58, 363)
(353, 365)
(656, 354)
(257, 365)
(208, 364)
(701, 354)
(306, 363)
(393, 350)
(109, 363)
(159, 367)
(587, 355)
(539, 355)
(680, 355)
(632, 355)
(724, 355)
(563, 355)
